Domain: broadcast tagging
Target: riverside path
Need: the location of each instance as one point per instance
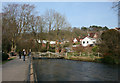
(15, 70)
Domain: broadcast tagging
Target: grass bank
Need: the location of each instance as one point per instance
(9, 59)
(84, 58)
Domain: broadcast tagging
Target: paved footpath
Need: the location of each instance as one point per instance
(15, 70)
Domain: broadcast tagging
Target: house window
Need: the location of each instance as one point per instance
(83, 42)
(87, 42)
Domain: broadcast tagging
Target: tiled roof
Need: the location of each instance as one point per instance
(91, 35)
(117, 28)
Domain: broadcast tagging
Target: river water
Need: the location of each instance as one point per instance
(69, 70)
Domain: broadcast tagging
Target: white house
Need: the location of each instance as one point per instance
(75, 40)
(52, 42)
(88, 41)
(43, 41)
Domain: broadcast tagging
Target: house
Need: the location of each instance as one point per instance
(75, 40)
(66, 41)
(52, 43)
(118, 29)
(43, 42)
(93, 35)
(89, 40)
(81, 40)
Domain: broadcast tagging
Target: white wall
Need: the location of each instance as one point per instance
(87, 41)
(75, 40)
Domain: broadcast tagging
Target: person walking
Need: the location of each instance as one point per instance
(29, 53)
(24, 53)
(19, 54)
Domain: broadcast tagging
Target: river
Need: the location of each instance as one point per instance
(69, 70)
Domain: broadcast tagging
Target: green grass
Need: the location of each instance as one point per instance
(84, 58)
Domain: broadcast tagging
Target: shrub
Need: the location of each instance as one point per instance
(51, 50)
(111, 60)
(110, 46)
(43, 50)
(95, 49)
(66, 45)
(52, 47)
(74, 44)
(5, 56)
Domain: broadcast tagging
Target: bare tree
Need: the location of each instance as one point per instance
(16, 21)
(55, 21)
(116, 7)
(9, 23)
(49, 18)
(26, 14)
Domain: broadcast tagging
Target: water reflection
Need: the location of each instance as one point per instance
(68, 70)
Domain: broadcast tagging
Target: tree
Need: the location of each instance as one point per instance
(9, 27)
(95, 28)
(55, 20)
(20, 24)
(49, 18)
(84, 28)
(77, 32)
(110, 46)
(105, 28)
(16, 22)
(0, 31)
(116, 7)
(39, 30)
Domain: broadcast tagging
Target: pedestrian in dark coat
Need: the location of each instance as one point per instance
(29, 54)
(19, 54)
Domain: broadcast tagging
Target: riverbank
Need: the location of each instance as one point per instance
(84, 58)
(90, 58)
(9, 59)
(77, 58)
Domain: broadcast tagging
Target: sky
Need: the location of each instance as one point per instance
(80, 14)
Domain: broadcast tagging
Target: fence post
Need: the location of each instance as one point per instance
(66, 54)
(88, 54)
(98, 54)
(80, 53)
(49, 54)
